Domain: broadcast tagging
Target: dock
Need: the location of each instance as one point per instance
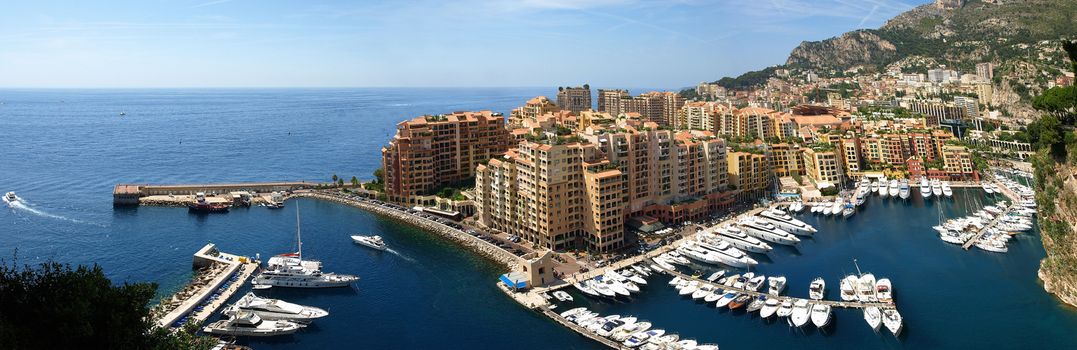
(1014, 199)
(220, 268)
(753, 293)
(181, 195)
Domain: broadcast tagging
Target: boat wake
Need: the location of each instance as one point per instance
(21, 205)
(401, 255)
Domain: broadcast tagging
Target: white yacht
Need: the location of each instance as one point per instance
(370, 241)
(936, 187)
(801, 313)
(875, 187)
(820, 315)
(585, 289)
(11, 197)
(893, 189)
(639, 338)
(729, 253)
(925, 188)
(628, 330)
(786, 308)
(768, 232)
(892, 320)
(562, 295)
(987, 188)
(866, 287)
(725, 300)
(769, 307)
(835, 209)
(787, 222)
(903, 191)
(247, 323)
(884, 290)
(275, 309)
(848, 288)
(874, 317)
(817, 289)
(776, 285)
(290, 270)
(946, 190)
(741, 240)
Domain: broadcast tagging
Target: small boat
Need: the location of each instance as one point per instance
(739, 301)
(848, 288)
(628, 330)
(597, 324)
(866, 288)
(706, 347)
(11, 197)
(820, 315)
(370, 241)
(883, 291)
(570, 312)
(987, 188)
(769, 307)
(585, 289)
(801, 313)
(703, 291)
(725, 300)
(274, 205)
(615, 325)
(776, 284)
(562, 295)
(248, 323)
(874, 317)
(715, 276)
(817, 289)
(685, 344)
(639, 338)
(757, 304)
(892, 321)
(786, 308)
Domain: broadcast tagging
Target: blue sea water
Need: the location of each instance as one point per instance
(65, 149)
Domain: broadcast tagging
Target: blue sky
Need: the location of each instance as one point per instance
(257, 43)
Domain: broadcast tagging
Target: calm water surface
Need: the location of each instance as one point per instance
(65, 149)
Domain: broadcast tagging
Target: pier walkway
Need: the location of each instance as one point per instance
(221, 267)
(1014, 199)
(753, 293)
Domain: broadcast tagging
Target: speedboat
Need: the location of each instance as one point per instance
(639, 338)
(801, 313)
(703, 291)
(946, 190)
(769, 307)
(690, 288)
(248, 323)
(848, 288)
(892, 320)
(925, 188)
(715, 276)
(787, 222)
(370, 241)
(739, 301)
(820, 315)
(274, 309)
(628, 330)
(866, 287)
(776, 284)
(615, 325)
(562, 295)
(570, 312)
(755, 283)
(786, 308)
(585, 289)
(741, 240)
(817, 289)
(893, 189)
(597, 323)
(883, 290)
(874, 317)
(768, 232)
(757, 304)
(11, 197)
(725, 300)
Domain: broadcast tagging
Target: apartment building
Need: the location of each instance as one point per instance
(751, 173)
(957, 162)
(823, 165)
(610, 101)
(432, 151)
(574, 99)
(531, 110)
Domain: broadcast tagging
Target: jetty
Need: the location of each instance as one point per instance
(181, 195)
(754, 293)
(221, 276)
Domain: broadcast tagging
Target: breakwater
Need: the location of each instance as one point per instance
(483, 248)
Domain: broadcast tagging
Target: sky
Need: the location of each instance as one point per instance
(402, 43)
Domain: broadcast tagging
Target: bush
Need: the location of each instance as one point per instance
(829, 191)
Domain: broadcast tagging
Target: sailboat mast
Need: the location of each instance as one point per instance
(298, 234)
(857, 268)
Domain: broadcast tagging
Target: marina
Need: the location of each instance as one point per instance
(223, 276)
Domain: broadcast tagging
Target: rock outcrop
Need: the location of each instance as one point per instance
(851, 49)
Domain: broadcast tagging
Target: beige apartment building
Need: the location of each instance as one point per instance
(436, 150)
(531, 110)
(750, 173)
(574, 99)
(823, 165)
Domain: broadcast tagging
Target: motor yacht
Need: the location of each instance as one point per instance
(275, 309)
(597, 323)
(627, 330)
(848, 288)
(11, 197)
(903, 190)
(703, 291)
(768, 232)
(585, 289)
(817, 289)
(725, 299)
(936, 187)
(866, 287)
(835, 209)
(883, 290)
(248, 323)
(740, 240)
(946, 190)
(639, 338)
(660, 343)
(686, 344)
(291, 271)
(894, 189)
(757, 304)
(689, 289)
(820, 315)
(892, 321)
(600, 288)
(987, 188)
(740, 301)
(776, 285)
(755, 283)
(787, 222)
(615, 325)
(875, 187)
(925, 188)
(801, 313)
(370, 241)
(769, 307)
(570, 312)
(786, 308)
(715, 276)
(874, 317)
(725, 253)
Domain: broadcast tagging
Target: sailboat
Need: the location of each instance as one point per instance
(290, 270)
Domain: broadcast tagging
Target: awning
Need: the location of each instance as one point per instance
(514, 280)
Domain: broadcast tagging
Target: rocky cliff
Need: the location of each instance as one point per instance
(851, 49)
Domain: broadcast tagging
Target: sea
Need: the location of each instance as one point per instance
(64, 150)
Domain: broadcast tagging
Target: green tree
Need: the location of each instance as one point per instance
(379, 175)
(340, 182)
(55, 306)
(355, 182)
(335, 178)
